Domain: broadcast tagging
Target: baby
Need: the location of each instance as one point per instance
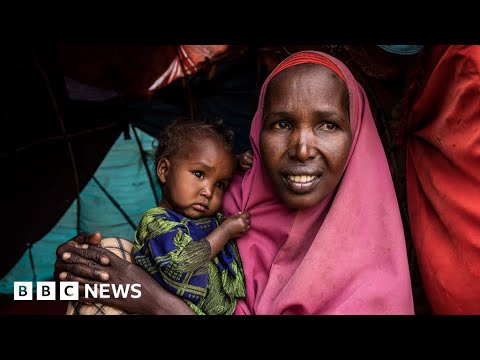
(185, 243)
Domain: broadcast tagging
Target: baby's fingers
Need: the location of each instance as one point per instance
(245, 215)
(247, 161)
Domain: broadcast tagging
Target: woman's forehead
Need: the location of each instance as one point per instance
(306, 80)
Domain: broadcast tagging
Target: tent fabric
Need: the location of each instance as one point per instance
(135, 70)
(230, 92)
(402, 49)
(187, 62)
(43, 122)
(123, 174)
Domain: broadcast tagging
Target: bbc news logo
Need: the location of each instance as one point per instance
(46, 290)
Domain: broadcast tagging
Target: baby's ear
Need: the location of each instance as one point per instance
(162, 170)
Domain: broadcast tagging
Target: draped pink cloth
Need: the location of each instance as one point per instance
(346, 255)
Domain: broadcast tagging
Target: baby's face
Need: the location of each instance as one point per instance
(196, 180)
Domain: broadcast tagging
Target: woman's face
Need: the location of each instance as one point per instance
(306, 134)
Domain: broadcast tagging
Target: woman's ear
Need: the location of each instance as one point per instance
(162, 170)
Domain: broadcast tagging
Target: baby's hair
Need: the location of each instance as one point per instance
(174, 137)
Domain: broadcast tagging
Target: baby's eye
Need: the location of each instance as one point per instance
(328, 126)
(282, 125)
(198, 174)
(221, 185)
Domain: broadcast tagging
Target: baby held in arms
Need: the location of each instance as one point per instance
(186, 243)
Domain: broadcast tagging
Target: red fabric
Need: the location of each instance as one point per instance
(308, 58)
(187, 62)
(133, 70)
(443, 178)
(129, 69)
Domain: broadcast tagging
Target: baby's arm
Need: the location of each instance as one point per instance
(168, 245)
(166, 250)
(232, 227)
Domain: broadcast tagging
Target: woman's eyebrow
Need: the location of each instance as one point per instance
(277, 113)
(319, 113)
(328, 114)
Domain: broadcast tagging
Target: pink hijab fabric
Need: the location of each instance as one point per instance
(347, 254)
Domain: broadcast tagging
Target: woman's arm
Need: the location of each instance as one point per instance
(77, 261)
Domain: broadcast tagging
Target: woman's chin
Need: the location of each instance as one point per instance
(300, 201)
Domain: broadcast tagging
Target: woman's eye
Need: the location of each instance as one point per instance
(221, 185)
(198, 174)
(328, 127)
(281, 125)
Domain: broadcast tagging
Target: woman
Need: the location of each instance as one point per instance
(326, 235)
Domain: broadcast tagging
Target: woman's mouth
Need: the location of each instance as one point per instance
(301, 183)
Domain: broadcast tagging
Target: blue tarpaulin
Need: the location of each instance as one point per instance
(123, 175)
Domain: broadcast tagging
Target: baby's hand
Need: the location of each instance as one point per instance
(237, 225)
(245, 160)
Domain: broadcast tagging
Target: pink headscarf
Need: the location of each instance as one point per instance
(346, 258)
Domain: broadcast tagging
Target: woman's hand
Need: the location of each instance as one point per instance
(78, 261)
(245, 160)
(65, 261)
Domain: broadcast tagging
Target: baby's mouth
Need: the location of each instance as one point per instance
(200, 207)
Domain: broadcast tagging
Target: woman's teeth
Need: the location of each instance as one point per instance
(301, 178)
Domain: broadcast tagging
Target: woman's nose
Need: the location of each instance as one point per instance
(302, 147)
